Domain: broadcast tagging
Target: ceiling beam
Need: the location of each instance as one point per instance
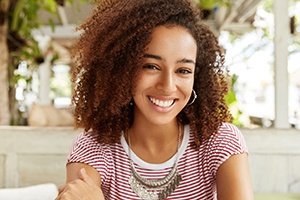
(233, 12)
(62, 15)
(247, 10)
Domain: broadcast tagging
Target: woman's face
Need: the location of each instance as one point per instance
(165, 83)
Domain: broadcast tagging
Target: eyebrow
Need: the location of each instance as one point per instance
(153, 56)
(184, 60)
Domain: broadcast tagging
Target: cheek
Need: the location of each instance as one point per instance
(188, 87)
(188, 83)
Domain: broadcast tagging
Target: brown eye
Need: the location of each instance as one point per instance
(149, 66)
(184, 71)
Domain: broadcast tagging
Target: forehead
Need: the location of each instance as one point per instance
(170, 30)
(174, 40)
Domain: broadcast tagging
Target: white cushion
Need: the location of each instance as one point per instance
(46, 191)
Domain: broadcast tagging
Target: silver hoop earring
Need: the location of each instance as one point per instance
(131, 103)
(195, 97)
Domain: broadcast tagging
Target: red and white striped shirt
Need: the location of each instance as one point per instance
(198, 167)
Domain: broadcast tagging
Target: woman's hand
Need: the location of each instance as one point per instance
(83, 188)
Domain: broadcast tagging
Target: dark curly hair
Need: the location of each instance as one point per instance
(108, 56)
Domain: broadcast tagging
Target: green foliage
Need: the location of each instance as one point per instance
(23, 17)
(233, 103)
(231, 97)
(268, 5)
(210, 4)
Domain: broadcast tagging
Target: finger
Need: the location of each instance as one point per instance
(85, 177)
(59, 196)
(61, 188)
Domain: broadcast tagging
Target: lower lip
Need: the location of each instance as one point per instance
(161, 109)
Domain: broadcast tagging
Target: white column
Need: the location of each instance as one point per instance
(281, 59)
(44, 75)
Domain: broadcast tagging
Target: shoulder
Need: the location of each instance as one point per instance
(103, 157)
(229, 132)
(87, 149)
(228, 137)
(87, 138)
(223, 144)
(85, 141)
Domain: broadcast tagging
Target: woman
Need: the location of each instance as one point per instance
(149, 92)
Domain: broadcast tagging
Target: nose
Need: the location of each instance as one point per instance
(167, 82)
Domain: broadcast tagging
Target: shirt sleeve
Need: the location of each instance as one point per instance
(86, 149)
(226, 142)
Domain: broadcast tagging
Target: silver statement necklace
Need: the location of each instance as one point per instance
(155, 189)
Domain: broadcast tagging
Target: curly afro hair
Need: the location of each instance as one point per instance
(108, 56)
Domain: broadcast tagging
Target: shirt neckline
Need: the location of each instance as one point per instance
(168, 163)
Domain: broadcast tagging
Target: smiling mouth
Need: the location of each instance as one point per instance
(162, 104)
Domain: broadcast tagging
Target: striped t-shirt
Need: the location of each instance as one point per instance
(197, 167)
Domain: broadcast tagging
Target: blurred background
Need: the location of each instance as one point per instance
(262, 45)
(36, 38)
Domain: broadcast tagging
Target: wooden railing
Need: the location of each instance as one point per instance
(30, 156)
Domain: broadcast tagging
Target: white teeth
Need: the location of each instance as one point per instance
(160, 103)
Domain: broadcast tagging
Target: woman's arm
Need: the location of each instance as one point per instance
(233, 179)
(83, 183)
(73, 172)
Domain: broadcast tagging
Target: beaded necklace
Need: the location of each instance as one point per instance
(155, 189)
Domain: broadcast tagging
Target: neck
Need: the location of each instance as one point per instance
(153, 134)
(152, 143)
